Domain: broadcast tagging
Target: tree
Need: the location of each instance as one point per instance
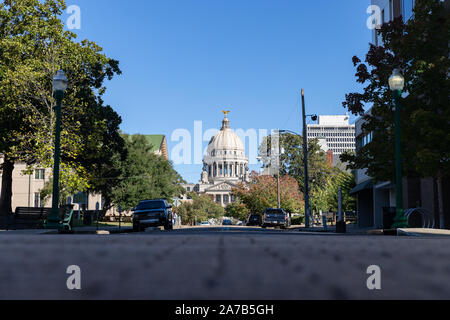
(326, 199)
(144, 175)
(292, 160)
(237, 210)
(420, 49)
(33, 46)
(201, 208)
(261, 193)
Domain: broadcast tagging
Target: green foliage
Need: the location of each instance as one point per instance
(420, 49)
(261, 193)
(33, 46)
(297, 221)
(201, 208)
(292, 160)
(326, 199)
(237, 210)
(144, 175)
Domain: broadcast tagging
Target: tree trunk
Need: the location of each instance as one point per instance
(6, 194)
(441, 203)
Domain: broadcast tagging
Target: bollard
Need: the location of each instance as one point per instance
(120, 216)
(341, 226)
(97, 207)
(324, 221)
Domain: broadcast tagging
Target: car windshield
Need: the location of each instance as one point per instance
(148, 205)
(274, 211)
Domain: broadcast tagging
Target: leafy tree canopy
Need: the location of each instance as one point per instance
(261, 193)
(144, 175)
(201, 208)
(420, 49)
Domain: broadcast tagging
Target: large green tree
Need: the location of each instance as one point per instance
(33, 46)
(200, 208)
(261, 193)
(326, 199)
(292, 159)
(144, 175)
(420, 48)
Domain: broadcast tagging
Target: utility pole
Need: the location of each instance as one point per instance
(305, 160)
(278, 175)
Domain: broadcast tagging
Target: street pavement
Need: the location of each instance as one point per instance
(229, 263)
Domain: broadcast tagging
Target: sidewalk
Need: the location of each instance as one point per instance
(351, 229)
(423, 232)
(77, 230)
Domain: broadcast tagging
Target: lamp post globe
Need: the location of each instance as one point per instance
(397, 84)
(396, 81)
(60, 81)
(59, 86)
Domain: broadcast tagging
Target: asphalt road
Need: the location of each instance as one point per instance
(226, 264)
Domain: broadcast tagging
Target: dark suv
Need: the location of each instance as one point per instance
(276, 218)
(152, 213)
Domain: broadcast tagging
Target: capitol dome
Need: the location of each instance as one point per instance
(225, 159)
(225, 140)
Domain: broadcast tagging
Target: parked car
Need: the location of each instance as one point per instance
(205, 223)
(152, 213)
(276, 218)
(227, 222)
(254, 220)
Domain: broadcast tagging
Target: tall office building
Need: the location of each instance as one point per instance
(334, 133)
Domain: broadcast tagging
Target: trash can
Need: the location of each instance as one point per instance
(388, 217)
(87, 218)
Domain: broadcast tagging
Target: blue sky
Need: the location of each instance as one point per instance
(187, 60)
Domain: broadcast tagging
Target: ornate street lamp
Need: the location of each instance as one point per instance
(59, 86)
(396, 84)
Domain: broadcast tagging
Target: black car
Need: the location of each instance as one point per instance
(227, 222)
(254, 220)
(276, 218)
(153, 213)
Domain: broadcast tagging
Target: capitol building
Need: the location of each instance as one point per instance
(225, 164)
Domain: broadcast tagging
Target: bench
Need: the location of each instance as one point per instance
(67, 221)
(25, 217)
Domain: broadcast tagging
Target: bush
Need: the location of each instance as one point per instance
(299, 220)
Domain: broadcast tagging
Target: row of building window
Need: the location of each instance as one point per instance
(215, 153)
(341, 140)
(226, 199)
(342, 145)
(331, 134)
(331, 129)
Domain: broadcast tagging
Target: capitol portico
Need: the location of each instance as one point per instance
(225, 164)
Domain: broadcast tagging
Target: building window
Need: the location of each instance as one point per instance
(407, 9)
(188, 189)
(39, 174)
(218, 198)
(226, 199)
(37, 200)
(391, 10)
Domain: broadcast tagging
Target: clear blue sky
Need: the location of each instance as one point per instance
(187, 60)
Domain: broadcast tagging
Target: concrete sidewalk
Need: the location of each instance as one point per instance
(417, 232)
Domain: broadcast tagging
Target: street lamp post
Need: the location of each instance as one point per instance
(278, 173)
(305, 158)
(396, 84)
(59, 86)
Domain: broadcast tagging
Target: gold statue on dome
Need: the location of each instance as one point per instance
(226, 113)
